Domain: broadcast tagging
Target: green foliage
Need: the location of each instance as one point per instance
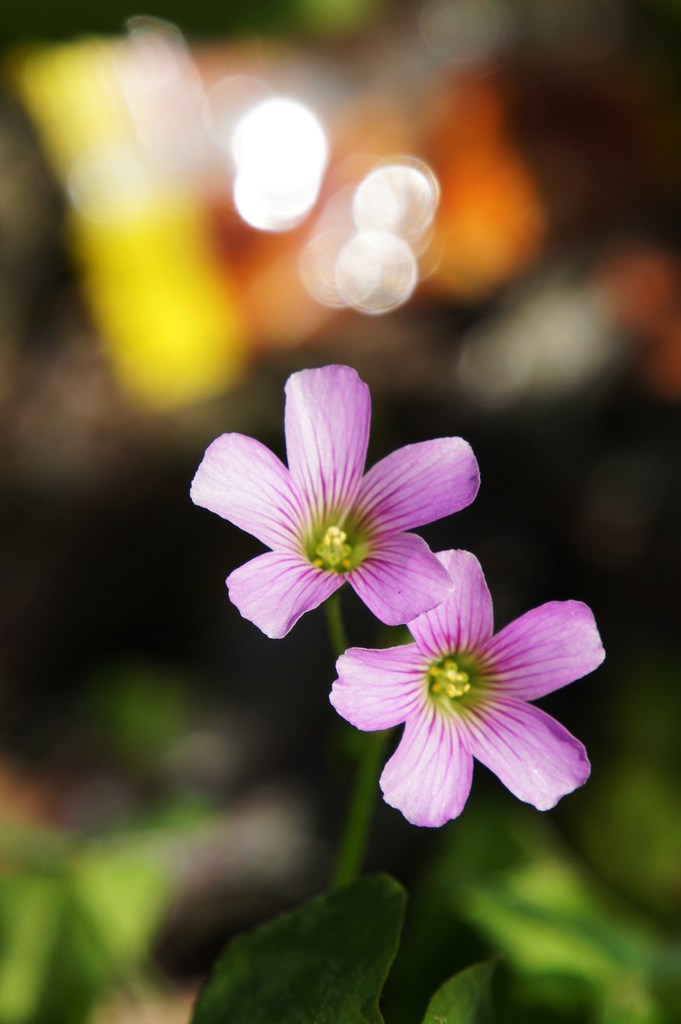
(329, 16)
(325, 963)
(72, 928)
(550, 922)
(134, 712)
(43, 19)
(630, 816)
(29, 917)
(464, 999)
(124, 892)
(582, 934)
(573, 950)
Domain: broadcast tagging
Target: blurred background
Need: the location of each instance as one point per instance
(477, 204)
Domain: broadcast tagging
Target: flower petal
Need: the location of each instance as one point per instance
(465, 619)
(244, 482)
(327, 431)
(429, 776)
(545, 649)
(400, 579)
(275, 589)
(418, 484)
(379, 689)
(531, 753)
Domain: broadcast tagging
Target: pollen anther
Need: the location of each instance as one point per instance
(445, 676)
(333, 552)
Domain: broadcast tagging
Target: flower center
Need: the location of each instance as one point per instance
(447, 679)
(333, 552)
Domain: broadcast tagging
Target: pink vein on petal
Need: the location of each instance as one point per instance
(400, 579)
(464, 620)
(530, 752)
(429, 776)
(418, 484)
(327, 416)
(275, 589)
(377, 689)
(243, 481)
(546, 648)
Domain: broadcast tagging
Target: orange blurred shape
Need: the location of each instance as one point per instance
(491, 221)
(643, 286)
(661, 370)
(262, 267)
(24, 798)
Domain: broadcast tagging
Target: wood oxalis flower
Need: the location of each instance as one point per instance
(325, 520)
(463, 693)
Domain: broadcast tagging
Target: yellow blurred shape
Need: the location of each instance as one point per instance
(164, 305)
(70, 91)
(169, 323)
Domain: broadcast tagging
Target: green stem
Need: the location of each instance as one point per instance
(355, 836)
(334, 621)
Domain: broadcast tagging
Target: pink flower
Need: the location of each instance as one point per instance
(326, 521)
(462, 693)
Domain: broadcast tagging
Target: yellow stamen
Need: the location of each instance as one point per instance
(446, 676)
(333, 552)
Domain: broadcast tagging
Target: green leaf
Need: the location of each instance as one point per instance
(124, 891)
(135, 712)
(322, 964)
(464, 999)
(29, 918)
(547, 919)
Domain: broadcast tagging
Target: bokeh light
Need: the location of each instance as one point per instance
(376, 272)
(318, 266)
(280, 151)
(400, 198)
(557, 338)
(365, 249)
(467, 32)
